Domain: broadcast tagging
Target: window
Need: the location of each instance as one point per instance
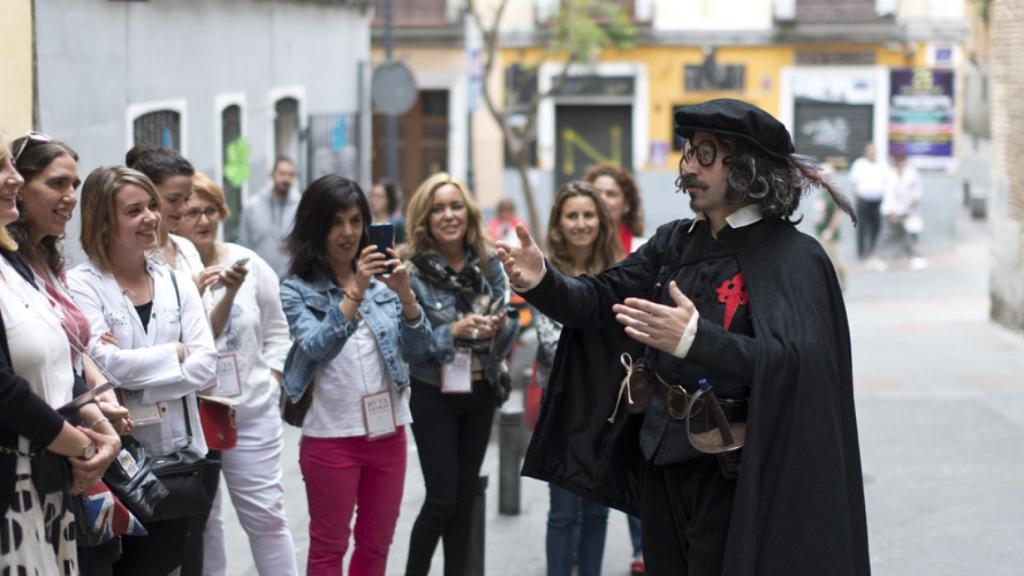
(158, 128)
(287, 130)
(231, 136)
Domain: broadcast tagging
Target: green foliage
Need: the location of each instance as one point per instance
(236, 168)
(584, 27)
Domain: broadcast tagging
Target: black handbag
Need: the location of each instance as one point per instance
(294, 413)
(130, 476)
(187, 474)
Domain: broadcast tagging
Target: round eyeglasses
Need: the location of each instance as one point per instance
(705, 152)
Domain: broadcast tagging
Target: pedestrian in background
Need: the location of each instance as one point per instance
(462, 377)
(503, 225)
(868, 181)
(150, 332)
(581, 240)
(354, 318)
(252, 341)
(266, 221)
(901, 208)
(45, 205)
(385, 200)
(828, 219)
(622, 199)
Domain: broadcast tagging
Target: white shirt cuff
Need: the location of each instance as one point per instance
(543, 272)
(686, 340)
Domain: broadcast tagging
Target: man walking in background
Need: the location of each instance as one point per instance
(868, 182)
(267, 221)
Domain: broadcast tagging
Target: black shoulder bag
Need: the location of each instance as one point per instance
(187, 474)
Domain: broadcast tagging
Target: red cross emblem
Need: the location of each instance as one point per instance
(733, 293)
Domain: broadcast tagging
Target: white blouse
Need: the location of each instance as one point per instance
(357, 371)
(256, 333)
(40, 353)
(147, 360)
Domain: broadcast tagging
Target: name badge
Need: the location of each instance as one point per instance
(128, 463)
(457, 375)
(229, 382)
(378, 415)
(142, 414)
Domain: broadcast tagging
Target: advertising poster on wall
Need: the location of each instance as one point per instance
(922, 118)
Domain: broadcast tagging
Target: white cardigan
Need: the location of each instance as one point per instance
(148, 360)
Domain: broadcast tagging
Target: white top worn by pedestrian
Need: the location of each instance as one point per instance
(903, 193)
(357, 371)
(868, 178)
(256, 333)
(147, 360)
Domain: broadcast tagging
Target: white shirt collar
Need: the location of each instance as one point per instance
(744, 216)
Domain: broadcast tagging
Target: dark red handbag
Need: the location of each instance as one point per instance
(220, 426)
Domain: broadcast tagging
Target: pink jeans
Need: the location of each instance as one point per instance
(339, 472)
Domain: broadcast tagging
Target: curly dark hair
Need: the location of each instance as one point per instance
(774, 183)
(634, 219)
(35, 158)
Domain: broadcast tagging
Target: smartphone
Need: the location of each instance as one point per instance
(240, 262)
(383, 235)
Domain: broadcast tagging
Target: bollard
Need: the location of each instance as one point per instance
(477, 530)
(509, 449)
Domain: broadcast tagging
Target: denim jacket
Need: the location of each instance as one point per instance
(439, 306)
(320, 330)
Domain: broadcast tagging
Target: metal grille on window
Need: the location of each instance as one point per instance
(231, 131)
(160, 128)
(333, 145)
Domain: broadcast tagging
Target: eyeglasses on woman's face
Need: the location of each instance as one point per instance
(193, 214)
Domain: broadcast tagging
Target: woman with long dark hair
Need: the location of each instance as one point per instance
(581, 240)
(354, 319)
(45, 205)
(36, 442)
(460, 380)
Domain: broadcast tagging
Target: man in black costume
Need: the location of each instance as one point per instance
(736, 298)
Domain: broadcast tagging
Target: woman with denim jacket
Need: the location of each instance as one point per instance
(353, 317)
(462, 377)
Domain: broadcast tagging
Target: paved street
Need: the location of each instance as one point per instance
(940, 402)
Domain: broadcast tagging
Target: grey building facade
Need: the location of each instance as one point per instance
(231, 84)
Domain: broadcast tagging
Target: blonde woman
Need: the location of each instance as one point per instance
(149, 330)
(459, 381)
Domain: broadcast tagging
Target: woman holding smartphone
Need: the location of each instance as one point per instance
(252, 341)
(581, 240)
(149, 331)
(463, 376)
(354, 318)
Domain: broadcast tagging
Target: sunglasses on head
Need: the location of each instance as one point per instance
(37, 137)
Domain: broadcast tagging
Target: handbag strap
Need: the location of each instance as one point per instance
(184, 404)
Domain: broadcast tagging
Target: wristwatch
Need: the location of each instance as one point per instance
(89, 452)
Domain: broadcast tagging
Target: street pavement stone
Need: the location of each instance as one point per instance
(940, 403)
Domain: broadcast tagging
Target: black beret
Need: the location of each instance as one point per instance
(738, 119)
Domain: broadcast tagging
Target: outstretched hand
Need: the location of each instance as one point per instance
(656, 325)
(524, 264)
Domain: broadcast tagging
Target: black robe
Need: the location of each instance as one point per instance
(799, 503)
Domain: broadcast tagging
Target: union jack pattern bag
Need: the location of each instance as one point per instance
(106, 516)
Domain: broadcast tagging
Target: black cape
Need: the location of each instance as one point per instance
(799, 503)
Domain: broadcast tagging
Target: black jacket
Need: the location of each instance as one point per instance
(21, 411)
(799, 504)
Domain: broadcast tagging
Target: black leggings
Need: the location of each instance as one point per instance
(452, 432)
(869, 216)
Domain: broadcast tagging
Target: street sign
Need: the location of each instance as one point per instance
(393, 89)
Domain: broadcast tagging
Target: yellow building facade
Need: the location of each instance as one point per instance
(16, 67)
